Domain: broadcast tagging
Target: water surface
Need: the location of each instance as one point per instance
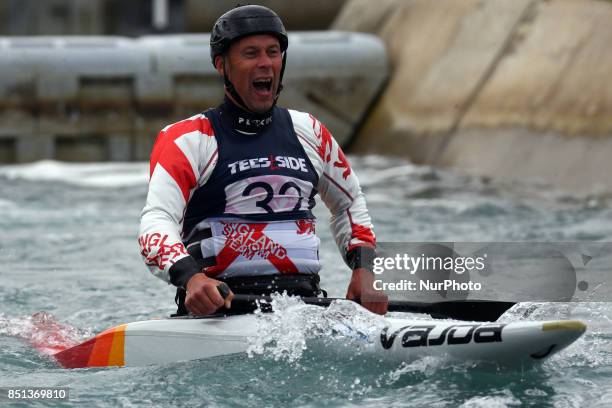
(69, 248)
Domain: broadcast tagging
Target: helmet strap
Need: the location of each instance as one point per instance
(230, 87)
(280, 79)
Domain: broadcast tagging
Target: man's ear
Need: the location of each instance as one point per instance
(219, 65)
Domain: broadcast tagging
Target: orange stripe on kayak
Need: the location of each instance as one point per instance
(106, 349)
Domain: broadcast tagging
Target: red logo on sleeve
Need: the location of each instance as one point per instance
(156, 252)
(325, 139)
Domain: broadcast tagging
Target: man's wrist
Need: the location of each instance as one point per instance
(361, 257)
(182, 271)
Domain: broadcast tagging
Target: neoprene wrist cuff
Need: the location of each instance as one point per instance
(361, 257)
(182, 271)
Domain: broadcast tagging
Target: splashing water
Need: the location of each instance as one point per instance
(56, 211)
(43, 332)
(504, 400)
(284, 335)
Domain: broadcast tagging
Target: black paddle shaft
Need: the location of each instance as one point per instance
(470, 310)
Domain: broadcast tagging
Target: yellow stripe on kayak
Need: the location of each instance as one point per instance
(564, 325)
(108, 348)
(117, 353)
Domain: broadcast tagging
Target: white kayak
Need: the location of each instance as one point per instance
(178, 339)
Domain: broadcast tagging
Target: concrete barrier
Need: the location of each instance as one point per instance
(68, 97)
(105, 98)
(511, 89)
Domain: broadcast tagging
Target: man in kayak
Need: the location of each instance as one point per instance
(232, 189)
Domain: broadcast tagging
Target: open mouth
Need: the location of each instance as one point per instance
(263, 84)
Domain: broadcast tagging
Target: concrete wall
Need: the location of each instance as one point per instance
(512, 89)
(105, 98)
(137, 17)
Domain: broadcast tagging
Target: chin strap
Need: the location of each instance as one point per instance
(232, 91)
(280, 80)
(230, 88)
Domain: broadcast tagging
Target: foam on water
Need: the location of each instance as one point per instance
(284, 334)
(102, 175)
(68, 246)
(498, 401)
(43, 332)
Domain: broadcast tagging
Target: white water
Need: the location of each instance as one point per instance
(68, 247)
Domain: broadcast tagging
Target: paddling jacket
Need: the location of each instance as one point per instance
(207, 176)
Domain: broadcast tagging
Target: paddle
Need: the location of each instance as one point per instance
(472, 310)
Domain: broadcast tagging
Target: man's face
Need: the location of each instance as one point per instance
(253, 65)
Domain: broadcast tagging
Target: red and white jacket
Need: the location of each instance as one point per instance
(183, 158)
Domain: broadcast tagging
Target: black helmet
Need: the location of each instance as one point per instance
(242, 21)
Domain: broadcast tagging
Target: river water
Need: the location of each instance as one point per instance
(71, 268)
